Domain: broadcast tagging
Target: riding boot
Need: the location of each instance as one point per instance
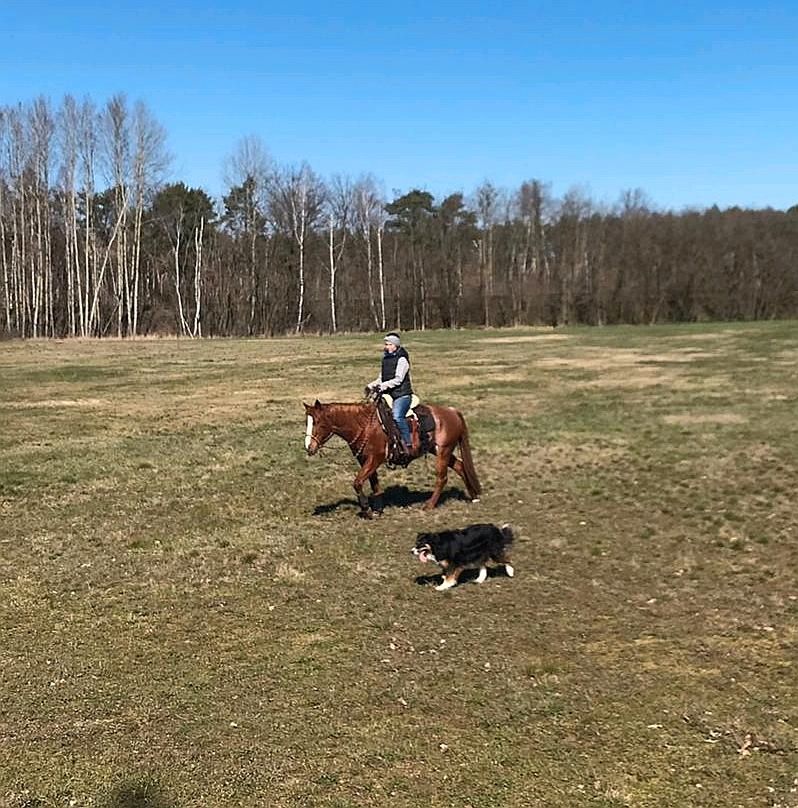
(400, 456)
(407, 453)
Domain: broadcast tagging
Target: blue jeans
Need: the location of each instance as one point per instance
(400, 407)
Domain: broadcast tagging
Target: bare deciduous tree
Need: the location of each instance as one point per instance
(369, 216)
(248, 173)
(150, 161)
(296, 197)
(340, 202)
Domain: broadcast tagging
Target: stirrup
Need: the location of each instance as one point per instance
(400, 456)
(407, 454)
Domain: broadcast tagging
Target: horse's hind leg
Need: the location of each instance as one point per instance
(457, 465)
(442, 463)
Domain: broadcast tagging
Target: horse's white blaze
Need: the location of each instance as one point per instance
(309, 432)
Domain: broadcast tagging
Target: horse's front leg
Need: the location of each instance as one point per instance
(376, 492)
(441, 475)
(368, 469)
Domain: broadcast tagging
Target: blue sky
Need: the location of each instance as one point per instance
(695, 103)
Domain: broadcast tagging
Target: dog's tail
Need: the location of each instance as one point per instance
(508, 533)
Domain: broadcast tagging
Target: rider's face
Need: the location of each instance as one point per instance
(390, 347)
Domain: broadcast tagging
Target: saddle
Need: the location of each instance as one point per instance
(422, 429)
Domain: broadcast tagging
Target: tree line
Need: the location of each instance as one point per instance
(96, 241)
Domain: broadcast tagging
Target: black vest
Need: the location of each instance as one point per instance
(389, 361)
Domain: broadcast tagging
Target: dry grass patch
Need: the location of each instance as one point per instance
(689, 419)
(56, 403)
(288, 573)
(548, 336)
(602, 359)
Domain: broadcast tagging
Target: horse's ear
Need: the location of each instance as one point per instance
(317, 404)
(306, 406)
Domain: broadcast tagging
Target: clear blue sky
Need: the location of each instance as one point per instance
(696, 103)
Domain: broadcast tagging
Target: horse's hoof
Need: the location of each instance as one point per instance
(366, 515)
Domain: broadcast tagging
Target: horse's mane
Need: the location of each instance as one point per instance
(354, 410)
(352, 406)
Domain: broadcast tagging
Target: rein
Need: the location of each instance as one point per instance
(361, 437)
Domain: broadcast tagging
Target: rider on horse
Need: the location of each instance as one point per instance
(372, 434)
(395, 379)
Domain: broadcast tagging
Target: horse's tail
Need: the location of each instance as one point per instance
(469, 472)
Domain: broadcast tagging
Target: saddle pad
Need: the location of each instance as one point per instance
(414, 402)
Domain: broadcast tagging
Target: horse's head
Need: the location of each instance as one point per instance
(318, 430)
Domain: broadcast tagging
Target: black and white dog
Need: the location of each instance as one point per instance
(475, 545)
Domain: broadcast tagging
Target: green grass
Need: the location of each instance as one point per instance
(191, 613)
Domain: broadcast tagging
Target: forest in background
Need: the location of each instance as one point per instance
(97, 239)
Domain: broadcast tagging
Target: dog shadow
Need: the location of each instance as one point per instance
(395, 496)
(466, 576)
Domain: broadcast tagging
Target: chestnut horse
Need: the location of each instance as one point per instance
(359, 425)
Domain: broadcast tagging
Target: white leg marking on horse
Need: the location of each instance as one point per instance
(309, 432)
(509, 569)
(483, 574)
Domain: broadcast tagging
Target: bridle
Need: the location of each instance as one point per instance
(357, 444)
(319, 443)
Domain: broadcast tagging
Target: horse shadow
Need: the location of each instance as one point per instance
(395, 496)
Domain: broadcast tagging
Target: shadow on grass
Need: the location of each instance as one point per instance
(138, 792)
(396, 496)
(466, 577)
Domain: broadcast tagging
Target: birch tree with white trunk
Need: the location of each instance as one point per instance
(487, 203)
(116, 148)
(150, 162)
(248, 172)
(370, 217)
(296, 197)
(339, 206)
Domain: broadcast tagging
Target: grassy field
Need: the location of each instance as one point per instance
(192, 615)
